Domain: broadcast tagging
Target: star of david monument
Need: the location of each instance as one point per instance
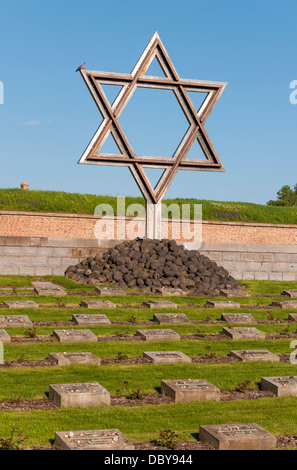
(110, 125)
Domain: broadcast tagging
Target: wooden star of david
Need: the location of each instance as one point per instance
(111, 125)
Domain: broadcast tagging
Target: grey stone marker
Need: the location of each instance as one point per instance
(4, 337)
(15, 321)
(290, 293)
(166, 318)
(109, 291)
(222, 304)
(292, 317)
(166, 357)
(48, 288)
(75, 336)
(72, 358)
(237, 318)
(253, 355)
(20, 304)
(280, 386)
(99, 319)
(159, 304)
(284, 304)
(78, 395)
(97, 304)
(243, 333)
(234, 293)
(239, 436)
(158, 335)
(190, 390)
(170, 291)
(103, 439)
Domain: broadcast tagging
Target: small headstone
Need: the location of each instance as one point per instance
(159, 304)
(170, 318)
(166, 357)
(109, 291)
(232, 318)
(4, 337)
(48, 288)
(20, 304)
(280, 386)
(237, 436)
(74, 336)
(170, 291)
(284, 304)
(253, 355)
(158, 335)
(97, 304)
(222, 304)
(90, 319)
(190, 390)
(234, 293)
(290, 293)
(72, 358)
(243, 333)
(292, 317)
(78, 395)
(103, 439)
(15, 321)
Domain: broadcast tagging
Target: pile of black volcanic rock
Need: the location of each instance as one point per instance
(152, 264)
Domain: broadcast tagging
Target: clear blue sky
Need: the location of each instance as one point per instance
(48, 116)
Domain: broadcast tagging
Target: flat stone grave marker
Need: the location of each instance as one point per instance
(103, 439)
(290, 293)
(97, 304)
(284, 304)
(158, 335)
(234, 293)
(99, 319)
(170, 318)
(243, 333)
(253, 355)
(20, 304)
(237, 318)
(170, 292)
(222, 304)
(78, 395)
(280, 386)
(48, 288)
(75, 336)
(292, 317)
(109, 291)
(71, 358)
(4, 337)
(159, 304)
(15, 321)
(190, 390)
(239, 436)
(166, 357)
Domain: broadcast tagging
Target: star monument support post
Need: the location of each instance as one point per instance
(110, 126)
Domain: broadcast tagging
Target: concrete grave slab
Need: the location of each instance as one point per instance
(15, 321)
(158, 335)
(222, 304)
(159, 304)
(170, 291)
(285, 304)
(20, 304)
(239, 436)
(97, 304)
(280, 386)
(253, 355)
(4, 337)
(103, 439)
(72, 358)
(48, 289)
(292, 293)
(165, 318)
(234, 293)
(166, 357)
(99, 319)
(109, 291)
(75, 336)
(78, 395)
(237, 318)
(292, 317)
(190, 390)
(243, 333)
